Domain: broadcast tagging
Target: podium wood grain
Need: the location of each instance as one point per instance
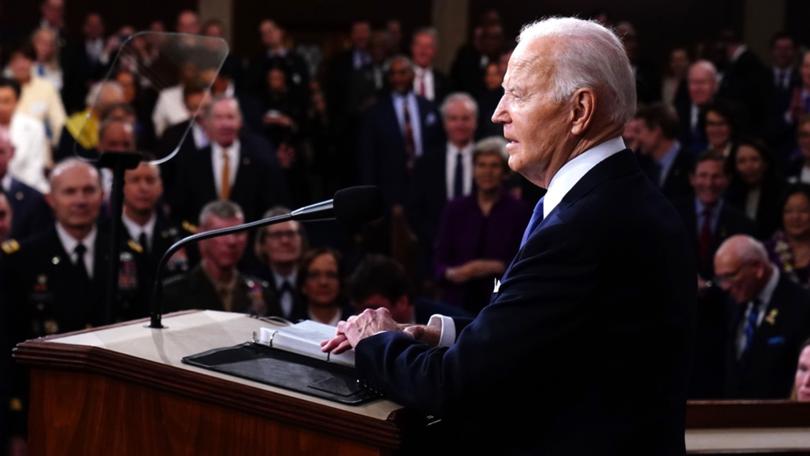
(123, 389)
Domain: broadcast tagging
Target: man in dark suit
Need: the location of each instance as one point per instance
(397, 130)
(785, 79)
(31, 212)
(444, 173)
(87, 61)
(379, 281)
(747, 81)
(235, 167)
(662, 157)
(428, 82)
(566, 292)
(702, 87)
(215, 283)
(770, 319)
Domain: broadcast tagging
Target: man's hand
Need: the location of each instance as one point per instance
(358, 327)
(426, 334)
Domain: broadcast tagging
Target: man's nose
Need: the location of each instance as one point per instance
(500, 115)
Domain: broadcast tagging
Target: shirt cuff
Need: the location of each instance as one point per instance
(447, 327)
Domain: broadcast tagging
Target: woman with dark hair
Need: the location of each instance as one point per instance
(801, 384)
(479, 233)
(789, 248)
(798, 171)
(321, 284)
(755, 188)
(722, 126)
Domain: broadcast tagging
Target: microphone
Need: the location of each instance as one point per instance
(351, 207)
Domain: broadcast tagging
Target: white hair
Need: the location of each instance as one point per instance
(95, 91)
(491, 144)
(706, 66)
(745, 248)
(589, 55)
(457, 97)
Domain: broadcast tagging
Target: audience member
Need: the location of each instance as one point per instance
(479, 233)
(770, 321)
(662, 157)
(216, 283)
(45, 42)
(428, 82)
(488, 100)
(721, 127)
(31, 149)
(702, 80)
(801, 385)
(31, 213)
(321, 285)
(789, 248)
(673, 83)
(82, 127)
(798, 170)
(756, 188)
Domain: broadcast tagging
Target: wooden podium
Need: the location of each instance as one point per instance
(123, 389)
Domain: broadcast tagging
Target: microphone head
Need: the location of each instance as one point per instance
(355, 206)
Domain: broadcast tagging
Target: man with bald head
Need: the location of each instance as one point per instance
(600, 361)
(770, 319)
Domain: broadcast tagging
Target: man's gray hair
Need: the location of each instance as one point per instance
(706, 66)
(462, 97)
(588, 55)
(403, 57)
(223, 209)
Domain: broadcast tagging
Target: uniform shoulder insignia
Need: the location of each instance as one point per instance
(135, 246)
(10, 246)
(190, 227)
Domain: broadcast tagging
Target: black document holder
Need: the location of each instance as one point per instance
(287, 370)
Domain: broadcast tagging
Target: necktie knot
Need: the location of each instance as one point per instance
(80, 250)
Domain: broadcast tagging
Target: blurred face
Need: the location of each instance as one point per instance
(533, 122)
(214, 30)
(276, 80)
(8, 103)
(805, 70)
(803, 134)
(459, 123)
(271, 34)
(93, 27)
(321, 284)
(223, 251)
(188, 22)
(53, 12)
(282, 243)
(20, 66)
(783, 52)
(488, 172)
(224, 122)
(76, 196)
(5, 217)
(678, 62)
(127, 82)
(117, 137)
(709, 181)
(110, 94)
(142, 188)
(632, 130)
(400, 76)
(750, 165)
(741, 280)
(718, 130)
(194, 102)
(648, 138)
(423, 49)
(44, 42)
(492, 77)
(803, 376)
(360, 34)
(702, 85)
(796, 216)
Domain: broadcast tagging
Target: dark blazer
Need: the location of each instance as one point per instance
(299, 307)
(565, 310)
(194, 290)
(170, 140)
(31, 214)
(748, 81)
(767, 368)
(428, 194)
(769, 211)
(259, 183)
(693, 141)
(382, 146)
(676, 184)
(731, 222)
(441, 86)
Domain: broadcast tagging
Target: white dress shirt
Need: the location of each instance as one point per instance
(169, 109)
(201, 140)
(31, 151)
(560, 185)
(286, 299)
(466, 163)
(135, 229)
(233, 163)
(425, 76)
(69, 243)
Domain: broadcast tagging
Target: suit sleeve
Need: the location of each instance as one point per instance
(541, 307)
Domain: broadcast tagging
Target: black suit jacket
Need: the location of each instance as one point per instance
(730, 222)
(441, 87)
(259, 184)
(769, 211)
(173, 137)
(767, 368)
(428, 194)
(676, 184)
(565, 297)
(31, 214)
(382, 146)
(748, 82)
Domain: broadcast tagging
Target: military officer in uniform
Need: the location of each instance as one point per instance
(216, 283)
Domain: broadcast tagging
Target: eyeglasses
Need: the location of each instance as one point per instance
(276, 235)
(721, 279)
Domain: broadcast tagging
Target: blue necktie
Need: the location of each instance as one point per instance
(537, 217)
(751, 324)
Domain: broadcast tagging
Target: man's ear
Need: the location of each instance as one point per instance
(583, 109)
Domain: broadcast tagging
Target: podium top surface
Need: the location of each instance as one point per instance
(194, 332)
